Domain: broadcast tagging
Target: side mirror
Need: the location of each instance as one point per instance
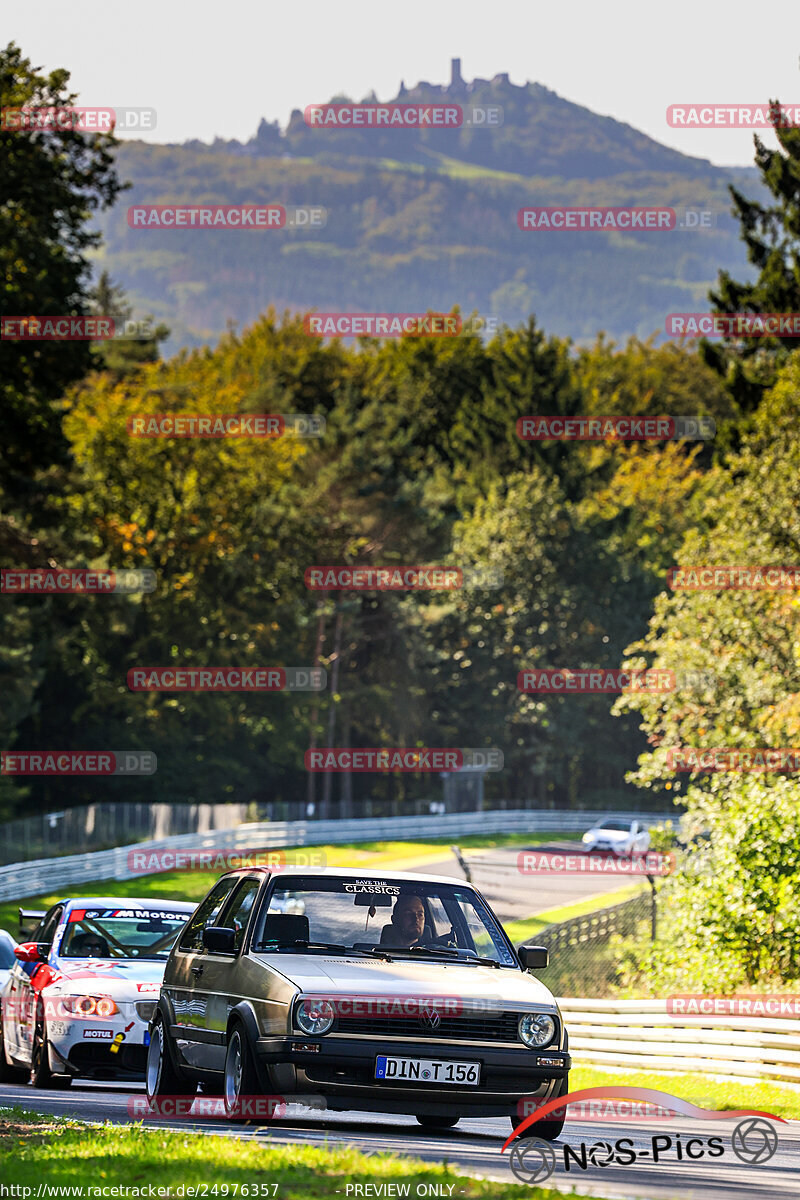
(219, 939)
(533, 958)
(31, 952)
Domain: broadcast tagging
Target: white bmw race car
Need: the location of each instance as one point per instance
(79, 998)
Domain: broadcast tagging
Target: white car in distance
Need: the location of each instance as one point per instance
(623, 838)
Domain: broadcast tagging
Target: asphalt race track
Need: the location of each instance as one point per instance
(475, 1145)
(514, 896)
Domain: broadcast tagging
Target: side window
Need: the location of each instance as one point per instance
(237, 910)
(481, 938)
(47, 929)
(206, 914)
(439, 919)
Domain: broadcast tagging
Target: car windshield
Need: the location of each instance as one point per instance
(7, 958)
(397, 917)
(616, 826)
(121, 933)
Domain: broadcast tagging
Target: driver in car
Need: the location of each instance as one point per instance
(89, 945)
(408, 923)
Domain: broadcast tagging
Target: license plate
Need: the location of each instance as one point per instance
(427, 1070)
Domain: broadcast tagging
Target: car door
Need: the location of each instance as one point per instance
(219, 978)
(27, 980)
(184, 974)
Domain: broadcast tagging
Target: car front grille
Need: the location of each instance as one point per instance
(494, 1027)
(145, 1010)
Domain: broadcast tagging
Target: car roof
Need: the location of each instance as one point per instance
(158, 905)
(350, 873)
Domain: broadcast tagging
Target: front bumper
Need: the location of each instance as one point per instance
(343, 1071)
(115, 1048)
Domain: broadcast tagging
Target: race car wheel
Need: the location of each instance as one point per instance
(9, 1073)
(41, 1075)
(241, 1077)
(429, 1122)
(549, 1129)
(168, 1092)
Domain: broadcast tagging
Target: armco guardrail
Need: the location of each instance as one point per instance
(639, 1035)
(593, 927)
(21, 880)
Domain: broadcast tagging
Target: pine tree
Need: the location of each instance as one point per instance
(772, 236)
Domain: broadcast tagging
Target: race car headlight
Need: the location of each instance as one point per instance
(588, 837)
(89, 1006)
(314, 1016)
(536, 1029)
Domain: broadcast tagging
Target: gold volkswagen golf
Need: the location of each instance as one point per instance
(371, 991)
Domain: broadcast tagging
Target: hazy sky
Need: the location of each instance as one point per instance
(212, 68)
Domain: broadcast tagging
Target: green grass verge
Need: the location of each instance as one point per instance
(193, 885)
(61, 1152)
(697, 1089)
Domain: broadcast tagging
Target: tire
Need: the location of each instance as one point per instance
(429, 1122)
(241, 1076)
(549, 1129)
(41, 1075)
(163, 1078)
(8, 1072)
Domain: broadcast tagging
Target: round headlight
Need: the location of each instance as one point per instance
(314, 1016)
(536, 1029)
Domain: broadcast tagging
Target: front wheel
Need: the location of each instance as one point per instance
(430, 1122)
(8, 1072)
(551, 1127)
(242, 1090)
(168, 1093)
(41, 1075)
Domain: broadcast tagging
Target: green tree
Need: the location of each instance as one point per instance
(771, 233)
(52, 184)
(735, 654)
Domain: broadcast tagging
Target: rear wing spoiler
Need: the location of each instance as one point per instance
(29, 918)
